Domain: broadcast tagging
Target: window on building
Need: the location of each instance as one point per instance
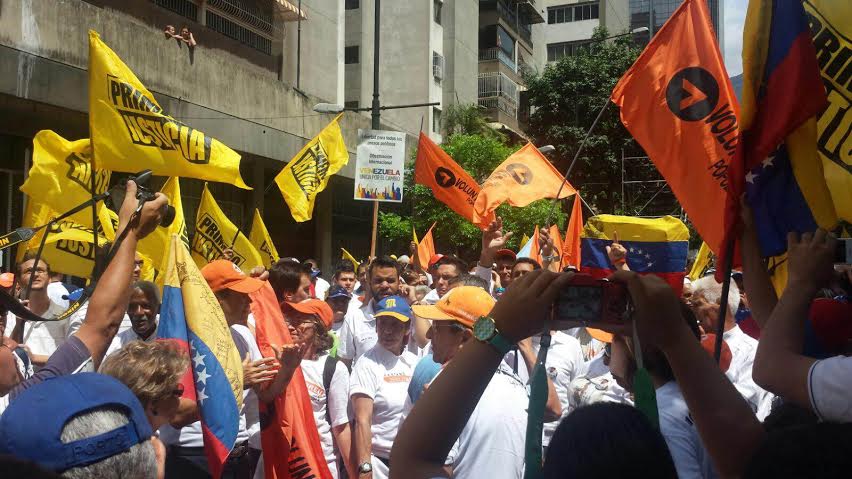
(555, 51)
(573, 13)
(436, 120)
(438, 5)
(437, 66)
(352, 4)
(351, 55)
(351, 104)
(506, 42)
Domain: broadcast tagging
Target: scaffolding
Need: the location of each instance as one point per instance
(644, 192)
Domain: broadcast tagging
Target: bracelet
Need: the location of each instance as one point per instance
(550, 258)
(619, 261)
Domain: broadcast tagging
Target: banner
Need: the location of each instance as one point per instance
(214, 233)
(155, 246)
(524, 177)
(449, 182)
(130, 132)
(307, 174)
(677, 101)
(260, 239)
(380, 165)
(347, 255)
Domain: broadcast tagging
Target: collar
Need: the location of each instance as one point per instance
(733, 333)
(669, 388)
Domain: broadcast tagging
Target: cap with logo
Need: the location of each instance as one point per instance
(394, 307)
(31, 426)
(464, 304)
(314, 307)
(338, 291)
(223, 274)
(7, 280)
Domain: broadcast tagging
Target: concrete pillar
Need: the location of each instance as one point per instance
(323, 230)
(202, 12)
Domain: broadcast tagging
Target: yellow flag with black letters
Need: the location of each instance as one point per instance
(214, 233)
(131, 132)
(155, 246)
(307, 174)
(260, 239)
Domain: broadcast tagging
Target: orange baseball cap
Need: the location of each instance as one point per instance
(314, 307)
(464, 304)
(600, 335)
(7, 280)
(223, 274)
(708, 342)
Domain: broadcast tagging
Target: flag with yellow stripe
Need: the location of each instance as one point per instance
(260, 239)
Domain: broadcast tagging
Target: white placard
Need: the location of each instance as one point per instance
(380, 165)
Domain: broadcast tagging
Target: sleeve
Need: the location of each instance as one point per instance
(76, 319)
(346, 343)
(67, 359)
(683, 450)
(364, 379)
(338, 397)
(829, 386)
(484, 273)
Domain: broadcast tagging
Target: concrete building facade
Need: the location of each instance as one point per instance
(571, 23)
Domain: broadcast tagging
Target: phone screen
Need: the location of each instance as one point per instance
(580, 303)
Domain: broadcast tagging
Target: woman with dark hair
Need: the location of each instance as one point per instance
(327, 379)
(588, 439)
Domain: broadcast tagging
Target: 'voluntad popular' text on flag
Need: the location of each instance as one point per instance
(450, 183)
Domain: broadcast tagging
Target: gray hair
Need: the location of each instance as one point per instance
(469, 280)
(138, 462)
(712, 292)
(149, 289)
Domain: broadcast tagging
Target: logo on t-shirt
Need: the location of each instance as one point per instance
(315, 390)
(397, 378)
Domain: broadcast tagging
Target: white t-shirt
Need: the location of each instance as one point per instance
(321, 288)
(690, 458)
(76, 320)
(357, 334)
(491, 445)
(743, 348)
(830, 388)
(335, 401)
(122, 339)
(589, 345)
(596, 385)
(564, 364)
(43, 337)
(55, 291)
(383, 376)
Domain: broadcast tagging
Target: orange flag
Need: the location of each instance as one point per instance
(291, 443)
(524, 177)
(426, 249)
(677, 101)
(557, 239)
(450, 183)
(571, 245)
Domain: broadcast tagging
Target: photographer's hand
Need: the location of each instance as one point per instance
(148, 218)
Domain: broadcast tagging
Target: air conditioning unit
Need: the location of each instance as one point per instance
(438, 72)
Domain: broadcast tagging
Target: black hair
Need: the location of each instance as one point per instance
(149, 289)
(286, 275)
(654, 359)
(607, 440)
(468, 279)
(410, 276)
(535, 264)
(383, 262)
(343, 266)
(821, 450)
(461, 266)
(29, 255)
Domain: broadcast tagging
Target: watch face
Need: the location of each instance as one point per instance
(483, 329)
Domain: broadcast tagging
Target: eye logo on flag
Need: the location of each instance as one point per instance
(311, 168)
(692, 94)
(445, 177)
(520, 173)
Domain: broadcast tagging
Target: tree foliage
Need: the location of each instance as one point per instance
(479, 155)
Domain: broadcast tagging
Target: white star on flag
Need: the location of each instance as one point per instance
(198, 359)
(202, 396)
(768, 161)
(202, 376)
(631, 249)
(647, 256)
(750, 177)
(650, 264)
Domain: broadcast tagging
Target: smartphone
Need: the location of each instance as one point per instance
(589, 300)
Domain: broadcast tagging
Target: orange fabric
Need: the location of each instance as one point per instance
(677, 101)
(449, 182)
(291, 443)
(571, 245)
(535, 248)
(426, 249)
(524, 177)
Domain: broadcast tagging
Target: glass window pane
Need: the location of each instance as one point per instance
(595, 12)
(551, 18)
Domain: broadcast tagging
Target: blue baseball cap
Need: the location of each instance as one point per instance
(338, 291)
(31, 426)
(393, 306)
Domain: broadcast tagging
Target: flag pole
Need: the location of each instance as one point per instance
(723, 301)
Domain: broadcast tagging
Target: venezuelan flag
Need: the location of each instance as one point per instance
(191, 315)
(654, 246)
(782, 95)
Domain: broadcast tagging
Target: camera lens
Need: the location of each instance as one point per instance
(168, 216)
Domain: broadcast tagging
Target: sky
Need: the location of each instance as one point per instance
(735, 11)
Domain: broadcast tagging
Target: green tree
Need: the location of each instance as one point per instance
(479, 155)
(467, 119)
(565, 99)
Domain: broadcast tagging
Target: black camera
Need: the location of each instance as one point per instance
(119, 191)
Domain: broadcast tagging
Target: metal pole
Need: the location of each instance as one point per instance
(376, 113)
(299, 45)
(650, 19)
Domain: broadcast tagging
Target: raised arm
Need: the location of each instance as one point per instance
(288, 356)
(758, 287)
(493, 239)
(112, 294)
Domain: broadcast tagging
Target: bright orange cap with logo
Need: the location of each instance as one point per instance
(223, 274)
(313, 307)
(464, 304)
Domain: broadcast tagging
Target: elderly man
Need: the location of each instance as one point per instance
(144, 313)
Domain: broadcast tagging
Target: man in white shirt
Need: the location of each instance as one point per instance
(564, 364)
(143, 310)
(706, 295)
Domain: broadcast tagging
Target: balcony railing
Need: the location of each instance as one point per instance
(498, 103)
(497, 53)
(496, 90)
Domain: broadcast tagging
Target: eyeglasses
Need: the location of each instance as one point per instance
(178, 391)
(38, 270)
(303, 326)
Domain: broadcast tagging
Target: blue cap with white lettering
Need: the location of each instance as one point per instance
(31, 427)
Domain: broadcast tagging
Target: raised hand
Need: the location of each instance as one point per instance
(258, 372)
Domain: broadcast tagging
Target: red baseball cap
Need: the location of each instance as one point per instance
(223, 274)
(434, 259)
(314, 307)
(507, 253)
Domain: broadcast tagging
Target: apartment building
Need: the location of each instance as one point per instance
(663, 9)
(571, 23)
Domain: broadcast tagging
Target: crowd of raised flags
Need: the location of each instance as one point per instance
(751, 177)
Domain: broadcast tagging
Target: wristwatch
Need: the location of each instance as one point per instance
(485, 330)
(365, 468)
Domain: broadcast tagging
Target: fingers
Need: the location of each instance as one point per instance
(792, 240)
(555, 286)
(507, 236)
(615, 236)
(608, 249)
(246, 360)
(131, 189)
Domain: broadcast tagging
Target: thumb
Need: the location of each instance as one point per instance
(276, 350)
(608, 249)
(508, 235)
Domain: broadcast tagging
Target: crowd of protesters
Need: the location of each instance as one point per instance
(418, 373)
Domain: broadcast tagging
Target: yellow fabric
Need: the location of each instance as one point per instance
(214, 233)
(131, 132)
(155, 246)
(414, 235)
(702, 260)
(777, 267)
(629, 228)
(348, 255)
(260, 239)
(524, 240)
(307, 174)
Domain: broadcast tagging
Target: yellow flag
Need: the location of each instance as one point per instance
(524, 240)
(702, 260)
(130, 132)
(414, 235)
(307, 173)
(155, 246)
(348, 255)
(214, 233)
(260, 239)
(60, 179)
